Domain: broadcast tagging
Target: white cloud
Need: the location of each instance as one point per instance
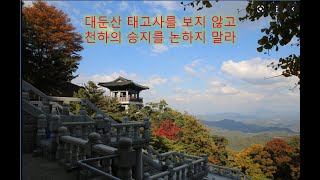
(123, 6)
(218, 87)
(198, 67)
(28, 3)
(253, 71)
(217, 83)
(189, 70)
(155, 80)
(159, 48)
(168, 5)
(96, 78)
(226, 90)
(175, 79)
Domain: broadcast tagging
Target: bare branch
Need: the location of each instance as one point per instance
(272, 76)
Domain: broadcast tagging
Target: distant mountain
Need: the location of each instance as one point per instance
(244, 127)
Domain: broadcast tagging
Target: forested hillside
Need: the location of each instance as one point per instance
(176, 131)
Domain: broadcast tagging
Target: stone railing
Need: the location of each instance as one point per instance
(53, 104)
(139, 132)
(227, 172)
(111, 134)
(115, 163)
(180, 166)
(153, 154)
(79, 129)
(87, 168)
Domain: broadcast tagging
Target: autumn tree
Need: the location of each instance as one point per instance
(50, 47)
(168, 129)
(245, 163)
(193, 137)
(295, 159)
(281, 153)
(283, 29)
(256, 162)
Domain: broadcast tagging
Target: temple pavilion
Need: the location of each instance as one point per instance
(126, 91)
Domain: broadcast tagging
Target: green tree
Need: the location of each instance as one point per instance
(113, 108)
(134, 114)
(92, 93)
(50, 47)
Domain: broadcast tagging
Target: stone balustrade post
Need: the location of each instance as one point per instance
(68, 156)
(107, 131)
(62, 131)
(82, 153)
(94, 138)
(170, 169)
(178, 175)
(147, 130)
(83, 110)
(89, 129)
(85, 132)
(54, 125)
(167, 162)
(78, 131)
(205, 164)
(41, 133)
(183, 173)
(118, 133)
(181, 158)
(25, 95)
(138, 173)
(127, 131)
(125, 119)
(65, 108)
(99, 123)
(74, 157)
(54, 109)
(195, 169)
(126, 159)
(72, 130)
(107, 138)
(160, 159)
(190, 167)
(135, 132)
(107, 125)
(146, 176)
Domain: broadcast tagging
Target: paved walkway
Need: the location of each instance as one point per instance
(36, 168)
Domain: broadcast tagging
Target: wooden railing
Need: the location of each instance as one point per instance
(125, 99)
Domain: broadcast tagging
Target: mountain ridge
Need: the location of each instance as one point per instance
(244, 127)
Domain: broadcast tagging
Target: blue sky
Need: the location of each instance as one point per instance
(198, 78)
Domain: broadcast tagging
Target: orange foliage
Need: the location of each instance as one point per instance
(168, 130)
(51, 27)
